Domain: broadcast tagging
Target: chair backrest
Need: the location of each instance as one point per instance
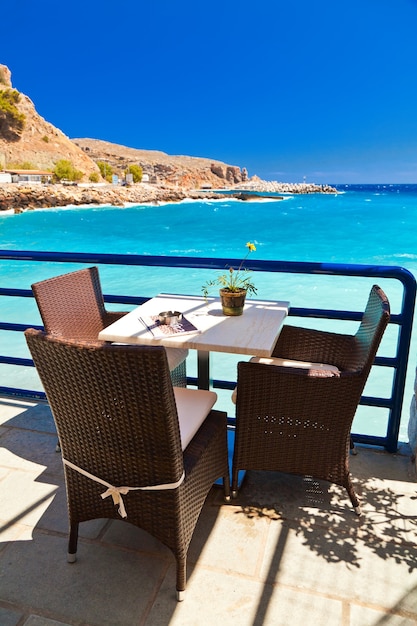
(72, 304)
(371, 329)
(113, 406)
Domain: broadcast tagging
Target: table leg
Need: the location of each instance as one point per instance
(203, 369)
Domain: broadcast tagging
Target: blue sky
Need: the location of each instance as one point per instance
(296, 90)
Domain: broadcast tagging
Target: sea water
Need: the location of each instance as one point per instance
(361, 224)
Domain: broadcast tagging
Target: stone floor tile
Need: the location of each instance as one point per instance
(34, 447)
(123, 534)
(23, 499)
(364, 616)
(36, 620)
(13, 532)
(9, 618)
(104, 587)
(408, 602)
(337, 564)
(382, 465)
(12, 408)
(214, 597)
(55, 518)
(229, 541)
(285, 493)
(37, 417)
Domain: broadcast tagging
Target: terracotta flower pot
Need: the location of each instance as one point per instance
(232, 301)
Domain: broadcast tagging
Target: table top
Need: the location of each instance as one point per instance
(253, 333)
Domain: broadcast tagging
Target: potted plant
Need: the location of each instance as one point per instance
(234, 285)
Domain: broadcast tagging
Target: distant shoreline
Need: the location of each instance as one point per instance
(19, 197)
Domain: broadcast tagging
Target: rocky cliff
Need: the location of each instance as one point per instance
(179, 171)
(38, 143)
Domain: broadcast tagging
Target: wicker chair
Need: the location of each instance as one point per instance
(72, 305)
(121, 422)
(297, 419)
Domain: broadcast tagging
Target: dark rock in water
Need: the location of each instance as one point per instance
(256, 196)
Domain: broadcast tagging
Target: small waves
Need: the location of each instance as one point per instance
(378, 189)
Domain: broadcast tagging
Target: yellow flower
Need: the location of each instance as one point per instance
(234, 280)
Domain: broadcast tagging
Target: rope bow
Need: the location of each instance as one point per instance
(117, 492)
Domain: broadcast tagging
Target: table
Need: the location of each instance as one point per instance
(253, 333)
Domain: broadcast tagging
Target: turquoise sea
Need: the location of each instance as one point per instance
(370, 224)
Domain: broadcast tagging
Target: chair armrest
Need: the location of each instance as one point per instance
(305, 344)
(113, 316)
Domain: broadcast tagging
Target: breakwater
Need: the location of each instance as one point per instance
(19, 197)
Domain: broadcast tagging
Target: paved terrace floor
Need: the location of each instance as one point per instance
(288, 552)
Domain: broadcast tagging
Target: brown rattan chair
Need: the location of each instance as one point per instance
(128, 434)
(297, 420)
(72, 305)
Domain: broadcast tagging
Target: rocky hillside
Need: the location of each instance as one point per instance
(182, 171)
(41, 144)
(38, 143)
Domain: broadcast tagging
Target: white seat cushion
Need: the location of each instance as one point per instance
(175, 357)
(290, 363)
(193, 406)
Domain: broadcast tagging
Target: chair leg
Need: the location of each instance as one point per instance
(226, 487)
(72, 543)
(352, 447)
(235, 475)
(181, 577)
(353, 498)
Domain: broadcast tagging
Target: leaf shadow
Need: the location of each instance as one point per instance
(321, 513)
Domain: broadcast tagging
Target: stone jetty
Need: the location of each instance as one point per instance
(272, 186)
(21, 197)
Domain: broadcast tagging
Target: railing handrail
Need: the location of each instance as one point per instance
(292, 267)
(404, 319)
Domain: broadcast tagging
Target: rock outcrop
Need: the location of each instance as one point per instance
(39, 143)
(161, 168)
(24, 197)
(255, 184)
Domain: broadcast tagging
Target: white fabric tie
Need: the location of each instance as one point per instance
(117, 492)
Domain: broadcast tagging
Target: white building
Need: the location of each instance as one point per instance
(29, 176)
(5, 177)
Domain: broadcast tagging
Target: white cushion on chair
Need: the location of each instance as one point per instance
(175, 357)
(193, 406)
(289, 363)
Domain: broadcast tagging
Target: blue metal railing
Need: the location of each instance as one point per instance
(403, 319)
